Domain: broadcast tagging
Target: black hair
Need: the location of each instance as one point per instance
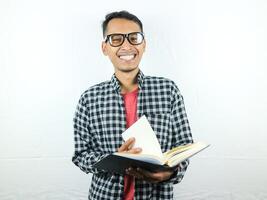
(122, 15)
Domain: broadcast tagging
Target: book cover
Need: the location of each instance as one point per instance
(119, 162)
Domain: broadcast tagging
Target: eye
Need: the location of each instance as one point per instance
(133, 37)
(116, 39)
(136, 38)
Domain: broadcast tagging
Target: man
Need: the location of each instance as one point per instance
(105, 110)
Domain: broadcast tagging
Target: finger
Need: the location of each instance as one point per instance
(140, 175)
(146, 173)
(154, 174)
(131, 145)
(125, 145)
(153, 177)
(135, 173)
(135, 150)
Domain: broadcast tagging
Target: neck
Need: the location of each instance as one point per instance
(128, 80)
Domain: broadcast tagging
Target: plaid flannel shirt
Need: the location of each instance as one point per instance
(100, 119)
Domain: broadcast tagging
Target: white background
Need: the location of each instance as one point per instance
(216, 52)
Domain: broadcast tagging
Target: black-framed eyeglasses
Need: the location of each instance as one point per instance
(117, 39)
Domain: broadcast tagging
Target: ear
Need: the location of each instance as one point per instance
(144, 45)
(104, 48)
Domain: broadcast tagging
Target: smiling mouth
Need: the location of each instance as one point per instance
(127, 57)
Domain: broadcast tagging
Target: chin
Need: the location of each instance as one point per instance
(127, 69)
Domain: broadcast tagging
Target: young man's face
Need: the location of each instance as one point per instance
(125, 58)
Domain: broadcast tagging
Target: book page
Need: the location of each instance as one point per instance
(145, 137)
(189, 152)
(176, 150)
(143, 157)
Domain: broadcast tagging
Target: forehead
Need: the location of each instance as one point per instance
(122, 26)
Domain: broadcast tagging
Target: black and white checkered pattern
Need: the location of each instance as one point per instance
(100, 119)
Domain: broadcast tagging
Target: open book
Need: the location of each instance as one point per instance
(151, 157)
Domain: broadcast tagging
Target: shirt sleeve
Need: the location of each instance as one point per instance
(181, 131)
(87, 151)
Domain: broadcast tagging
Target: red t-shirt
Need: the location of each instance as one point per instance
(130, 103)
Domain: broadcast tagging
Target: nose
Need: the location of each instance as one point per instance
(126, 44)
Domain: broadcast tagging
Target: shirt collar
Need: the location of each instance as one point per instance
(116, 84)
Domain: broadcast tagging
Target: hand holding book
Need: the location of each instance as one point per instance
(149, 157)
(153, 177)
(139, 173)
(127, 147)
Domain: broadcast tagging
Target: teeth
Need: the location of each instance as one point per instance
(127, 57)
